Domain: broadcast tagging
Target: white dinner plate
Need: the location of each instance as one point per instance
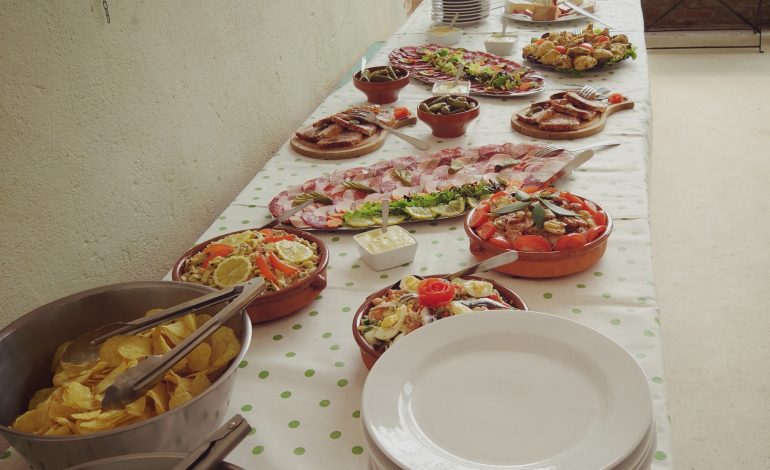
(506, 390)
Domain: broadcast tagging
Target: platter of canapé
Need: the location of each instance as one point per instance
(506, 195)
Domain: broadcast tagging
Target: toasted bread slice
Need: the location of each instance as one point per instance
(329, 131)
(545, 12)
(580, 102)
(309, 133)
(535, 116)
(352, 124)
(566, 107)
(559, 123)
(344, 139)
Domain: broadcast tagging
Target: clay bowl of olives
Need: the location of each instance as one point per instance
(381, 85)
(448, 115)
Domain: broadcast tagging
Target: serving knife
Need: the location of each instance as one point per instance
(584, 12)
(285, 216)
(487, 264)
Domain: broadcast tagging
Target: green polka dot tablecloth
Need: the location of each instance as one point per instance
(301, 381)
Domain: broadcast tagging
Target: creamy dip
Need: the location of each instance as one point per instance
(375, 241)
(448, 87)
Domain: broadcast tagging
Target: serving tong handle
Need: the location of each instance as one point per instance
(212, 452)
(85, 348)
(136, 381)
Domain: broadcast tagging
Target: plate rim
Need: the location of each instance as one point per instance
(634, 372)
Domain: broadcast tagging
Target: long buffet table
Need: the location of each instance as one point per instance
(300, 385)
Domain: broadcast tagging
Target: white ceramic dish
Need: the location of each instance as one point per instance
(447, 87)
(521, 390)
(571, 16)
(381, 260)
(501, 44)
(444, 35)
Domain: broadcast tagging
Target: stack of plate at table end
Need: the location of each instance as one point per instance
(510, 390)
(468, 11)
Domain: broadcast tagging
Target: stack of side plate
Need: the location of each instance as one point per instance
(467, 11)
(508, 390)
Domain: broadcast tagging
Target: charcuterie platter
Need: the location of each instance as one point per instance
(437, 185)
(567, 116)
(490, 75)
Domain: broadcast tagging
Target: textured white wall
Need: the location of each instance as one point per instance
(120, 143)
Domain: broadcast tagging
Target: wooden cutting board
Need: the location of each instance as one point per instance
(587, 128)
(368, 145)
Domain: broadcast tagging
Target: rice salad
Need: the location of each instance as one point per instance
(279, 257)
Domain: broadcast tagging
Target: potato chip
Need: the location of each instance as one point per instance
(76, 372)
(39, 397)
(58, 354)
(158, 343)
(189, 322)
(159, 397)
(78, 397)
(105, 420)
(138, 407)
(224, 346)
(58, 430)
(201, 319)
(199, 384)
(177, 330)
(86, 415)
(105, 383)
(179, 398)
(29, 422)
(55, 407)
(134, 347)
(199, 358)
(153, 311)
(108, 351)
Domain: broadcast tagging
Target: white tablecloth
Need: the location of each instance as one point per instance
(300, 385)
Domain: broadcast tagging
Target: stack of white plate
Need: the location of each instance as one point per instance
(468, 11)
(507, 390)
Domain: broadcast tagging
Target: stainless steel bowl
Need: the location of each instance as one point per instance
(27, 347)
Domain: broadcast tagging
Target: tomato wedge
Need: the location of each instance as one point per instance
(486, 230)
(571, 198)
(498, 195)
(600, 39)
(595, 232)
(281, 266)
(587, 46)
(434, 292)
(478, 217)
(615, 98)
(560, 49)
(214, 250)
(570, 241)
(277, 238)
(500, 242)
(531, 243)
(600, 217)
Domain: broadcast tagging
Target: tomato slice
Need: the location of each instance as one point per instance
(595, 232)
(498, 195)
(478, 217)
(600, 217)
(587, 47)
(214, 250)
(570, 241)
(433, 292)
(560, 49)
(600, 39)
(500, 242)
(615, 98)
(571, 198)
(486, 230)
(277, 238)
(401, 113)
(281, 266)
(264, 269)
(531, 243)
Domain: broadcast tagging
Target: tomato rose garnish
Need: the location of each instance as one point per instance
(434, 292)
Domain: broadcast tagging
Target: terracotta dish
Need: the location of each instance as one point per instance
(449, 125)
(542, 264)
(382, 92)
(284, 302)
(370, 354)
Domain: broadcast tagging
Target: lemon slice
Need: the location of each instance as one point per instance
(232, 271)
(294, 252)
(453, 209)
(392, 220)
(237, 238)
(419, 213)
(359, 221)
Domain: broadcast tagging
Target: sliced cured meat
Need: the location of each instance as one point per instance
(565, 107)
(296, 220)
(309, 134)
(332, 130)
(352, 124)
(531, 116)
(314, 220)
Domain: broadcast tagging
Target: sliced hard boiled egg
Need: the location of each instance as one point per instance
(478, 289)
(410, 283)
(457, 308)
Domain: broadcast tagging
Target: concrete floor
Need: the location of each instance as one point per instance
(711, 246)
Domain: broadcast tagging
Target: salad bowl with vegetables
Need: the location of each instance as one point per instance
(292, 263)
(395, 311)
(555, 233)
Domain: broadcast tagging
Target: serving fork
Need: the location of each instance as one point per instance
(371, 118)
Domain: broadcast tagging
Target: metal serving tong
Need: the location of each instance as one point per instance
(212, 452)
(136, 381)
